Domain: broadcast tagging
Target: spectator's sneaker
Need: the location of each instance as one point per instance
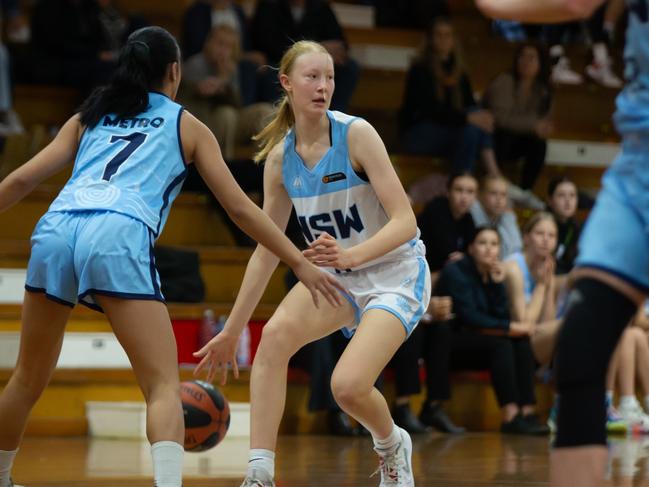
(563, 74)
(396, 467)
(524, 198)
(615, 424)
(536, 425)
(635, 417)
(602, 74)
(258, 477)
(435, 416)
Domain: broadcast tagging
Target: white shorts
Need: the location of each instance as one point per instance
(402, 288)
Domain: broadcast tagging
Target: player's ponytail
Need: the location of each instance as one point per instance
(141, 67)
(284, 119)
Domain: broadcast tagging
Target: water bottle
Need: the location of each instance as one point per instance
(210, 327)
(243, 348)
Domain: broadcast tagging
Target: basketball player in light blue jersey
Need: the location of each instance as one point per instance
(613, 263)
(131, 144)
(354, 213)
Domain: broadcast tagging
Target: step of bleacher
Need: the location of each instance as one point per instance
(222, 269)
(192, 221)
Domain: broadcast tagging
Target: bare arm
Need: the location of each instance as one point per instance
(538, 11)
(518, 308)
(262, 263)
(58, 153)
(367, 150)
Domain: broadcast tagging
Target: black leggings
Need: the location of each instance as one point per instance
(510, 361)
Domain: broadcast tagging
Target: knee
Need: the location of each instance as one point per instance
(277, 343)
(31, 385)
(348, 389)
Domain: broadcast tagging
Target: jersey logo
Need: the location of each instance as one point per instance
(331, 178)
(337, 224)
(297, 182)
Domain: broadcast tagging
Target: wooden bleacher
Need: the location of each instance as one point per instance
(581, 113)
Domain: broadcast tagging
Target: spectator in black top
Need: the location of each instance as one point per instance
(562, 202)
(446, 227)
(446, 223)
(439, 116)
(483, 330)
(277, 24)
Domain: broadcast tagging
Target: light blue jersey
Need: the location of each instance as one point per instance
(132, 166)
(331, 197)
(632, 113)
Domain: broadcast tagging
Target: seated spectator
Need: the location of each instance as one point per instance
(492, 208)
(484, 330)
(446, 227)
(562, 203)
(531, 283)
(211, 91)
(277, 24)
(439, 116)
(203, 16)
(406, 369)
(520, 103)
(446, 223)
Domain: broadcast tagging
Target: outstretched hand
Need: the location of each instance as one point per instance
(216, 355)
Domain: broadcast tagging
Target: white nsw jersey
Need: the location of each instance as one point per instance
(331, 197)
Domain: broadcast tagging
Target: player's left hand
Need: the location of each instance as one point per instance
(325, 252)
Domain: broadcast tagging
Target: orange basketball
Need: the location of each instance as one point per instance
(207, 415)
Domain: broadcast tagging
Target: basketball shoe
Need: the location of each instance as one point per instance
(258, 477)
(396, 467)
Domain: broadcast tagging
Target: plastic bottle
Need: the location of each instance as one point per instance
(243, 348)
(210, 327)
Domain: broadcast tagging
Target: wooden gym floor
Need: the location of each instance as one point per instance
(479, 460)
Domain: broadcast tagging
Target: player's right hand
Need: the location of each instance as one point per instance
(216, 355)
(319, 281)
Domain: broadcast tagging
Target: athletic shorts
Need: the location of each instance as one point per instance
(616, 235)
(76, 255)
(401, 288)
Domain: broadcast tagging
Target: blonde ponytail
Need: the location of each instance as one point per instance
(284, 119)
(273, 133)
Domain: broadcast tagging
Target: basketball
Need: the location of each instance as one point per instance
(207, 415)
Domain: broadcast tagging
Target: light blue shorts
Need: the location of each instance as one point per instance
(76, 255)
(616, 235)
(402, 288)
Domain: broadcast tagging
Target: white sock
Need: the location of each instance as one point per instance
(6, 462)
(628, 402)
(265, 459)
(389, 444)
(609, 398)
(167, 463)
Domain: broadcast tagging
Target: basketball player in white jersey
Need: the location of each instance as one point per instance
(335, 171)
